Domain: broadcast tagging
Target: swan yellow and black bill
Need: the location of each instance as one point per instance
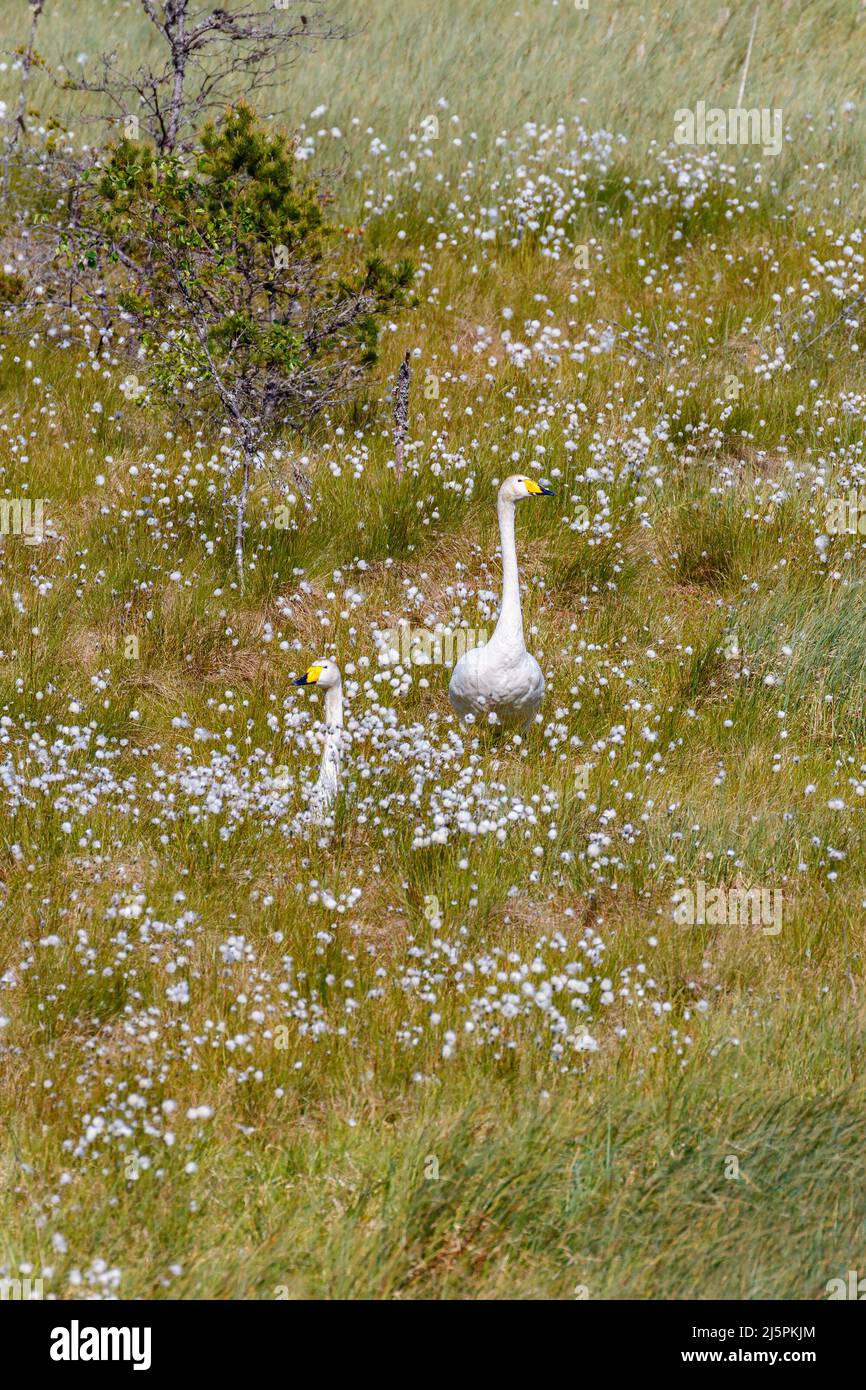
(311, 676)
(537, 490)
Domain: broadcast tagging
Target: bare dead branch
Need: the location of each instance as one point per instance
(211, 55)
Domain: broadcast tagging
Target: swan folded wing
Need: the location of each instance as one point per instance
(509, 686)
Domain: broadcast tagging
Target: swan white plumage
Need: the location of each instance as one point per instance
(325, 675)
(501, 677)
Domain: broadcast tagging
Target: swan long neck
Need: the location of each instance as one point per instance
(510, 622)
(334, 707)
(330, 768)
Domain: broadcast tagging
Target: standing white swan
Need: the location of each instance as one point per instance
(501, 677)
(326, 675)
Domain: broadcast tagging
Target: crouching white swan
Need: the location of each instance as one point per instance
(501, 677)
(326, 675)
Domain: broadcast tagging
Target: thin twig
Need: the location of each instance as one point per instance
(401, 412)
(830, 326)
(20, 124)
(742, 91)
(638, 347)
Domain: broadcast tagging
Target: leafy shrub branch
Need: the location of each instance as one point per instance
(237, 290)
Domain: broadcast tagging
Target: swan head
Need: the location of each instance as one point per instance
(323, 673)
(518, 486)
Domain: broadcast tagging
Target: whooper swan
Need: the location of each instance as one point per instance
(501, 678)
(326, 676)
